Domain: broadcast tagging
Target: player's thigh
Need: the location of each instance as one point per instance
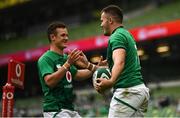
(137, 97)
(49, 114)
(128, 101)
(62, 114)
(142, 109)
(144, 106)
(68, 114)
(118, 109)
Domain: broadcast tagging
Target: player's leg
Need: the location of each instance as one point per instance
(119, 109)
(143, 107)
(68, 114)
(49, 114)
(64, 113)
(140, 96)
(126, 102)
(142, 110)
(120, 105)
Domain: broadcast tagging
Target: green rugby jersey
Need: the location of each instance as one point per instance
(131, 74)
(60, 96)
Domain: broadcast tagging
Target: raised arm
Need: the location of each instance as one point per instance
(53, 78)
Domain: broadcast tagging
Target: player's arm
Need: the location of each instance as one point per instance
(52, 79)
(119, 61)
(85, 64)
(83, 74)
(86, 73)
(103, 63)
(89, 68)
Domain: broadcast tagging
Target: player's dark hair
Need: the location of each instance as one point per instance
(115, 12)
(52, 28)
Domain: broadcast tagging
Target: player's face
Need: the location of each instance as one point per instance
(61, 38)
(105, 24)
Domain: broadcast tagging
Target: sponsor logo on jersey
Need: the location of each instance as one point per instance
(68, 86)
(68, 76)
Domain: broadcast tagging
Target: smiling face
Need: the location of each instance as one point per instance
(60, 39)
(105, 24)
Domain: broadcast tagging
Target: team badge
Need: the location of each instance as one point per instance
(58, 66)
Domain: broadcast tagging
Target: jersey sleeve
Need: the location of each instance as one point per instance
(45, 66)
(74, 70)
(118, 41)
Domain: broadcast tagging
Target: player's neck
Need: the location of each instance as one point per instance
(115, 26)
(56, 49)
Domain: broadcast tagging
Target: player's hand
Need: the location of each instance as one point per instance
(102, 84)
(73, 56)
(102, 62)
(82, 62)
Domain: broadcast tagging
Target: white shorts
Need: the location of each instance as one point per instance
(129, 102)
(64, 113)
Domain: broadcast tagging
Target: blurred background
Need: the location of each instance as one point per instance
(154, 24)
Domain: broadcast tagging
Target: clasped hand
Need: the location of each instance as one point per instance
(78, 58)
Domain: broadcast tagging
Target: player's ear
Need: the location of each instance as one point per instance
(110, 20)
(52, 37)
